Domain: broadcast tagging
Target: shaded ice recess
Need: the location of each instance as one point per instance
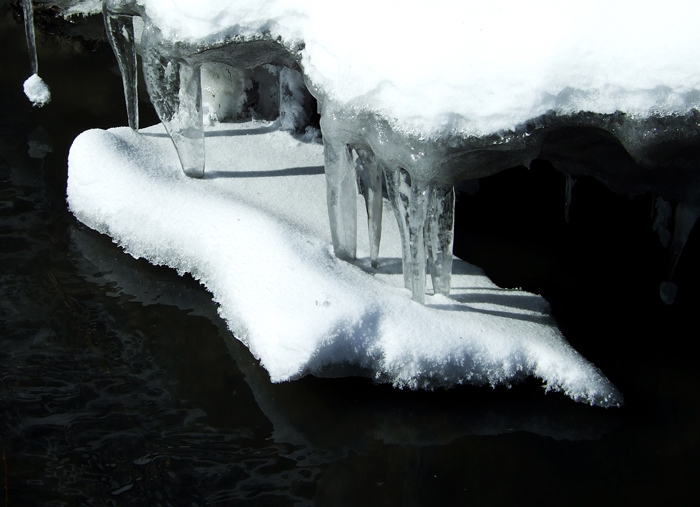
(479, 105)
(254, 230)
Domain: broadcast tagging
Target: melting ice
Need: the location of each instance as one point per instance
(404, 119)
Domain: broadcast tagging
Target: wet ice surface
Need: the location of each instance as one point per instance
(254, 231)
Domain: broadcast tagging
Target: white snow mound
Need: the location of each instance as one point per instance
(255, 232)
(37, 91)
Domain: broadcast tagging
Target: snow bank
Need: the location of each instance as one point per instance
(255, 232)
(471, 68)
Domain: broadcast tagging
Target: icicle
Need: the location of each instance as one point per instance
(418, 208)
(570, 182)
(120, 32)
(175, 88)
(341, 188)
(439, 236)
(686, 216)
(34, 88)
(410, 203)
(400, 205)
(370, 179)
(28, 7)
(294, 101)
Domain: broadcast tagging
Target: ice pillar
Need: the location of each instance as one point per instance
(175, 88)
(341, 190)
(439, 237)
(369, 177)
(28, 8)
(120, 32)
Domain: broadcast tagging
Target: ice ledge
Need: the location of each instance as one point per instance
(255, 233)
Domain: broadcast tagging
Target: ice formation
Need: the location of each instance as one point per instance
(34, 87)
(254, 230)
(36, 90)
(403, 118)
(416, 130)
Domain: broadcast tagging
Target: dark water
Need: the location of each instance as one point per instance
(120, 385)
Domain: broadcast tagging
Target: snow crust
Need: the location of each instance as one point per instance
(37, 91)
(470, 68)
(255, 232)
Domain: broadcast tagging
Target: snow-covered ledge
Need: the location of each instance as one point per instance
(398, 112)
(424, 95)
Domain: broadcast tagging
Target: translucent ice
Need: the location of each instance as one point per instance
(28, 9)
(34, 88)
(119, 25)
(423, 131)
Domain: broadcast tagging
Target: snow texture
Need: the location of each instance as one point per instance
(255, 232)
(469, 68)
(433, 96)
(37, 91)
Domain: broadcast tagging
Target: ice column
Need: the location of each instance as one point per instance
(175, 88)
(425, 217)
(341, 192)
(28, 7)
(34, 88)
(350, 165)
(119, 24)
(369, 179)
(439, 237)
(422, 198)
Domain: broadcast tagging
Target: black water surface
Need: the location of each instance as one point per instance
(120, 385)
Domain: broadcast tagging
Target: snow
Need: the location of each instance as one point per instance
(37, 91)
(471, 68)
(255, 232)
(255, 229)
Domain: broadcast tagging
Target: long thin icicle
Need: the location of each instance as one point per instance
(418, 207)
(175, 89)
(34, 88)
(28, 7)
(400, 205)
(370, 178)
(341, 188)
(439, 237)
(120, 32)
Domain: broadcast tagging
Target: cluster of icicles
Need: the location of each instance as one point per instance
(365, 151)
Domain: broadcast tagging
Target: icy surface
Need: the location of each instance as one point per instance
(255, 232)
(37, 91)
(395, 109)
(471, 68)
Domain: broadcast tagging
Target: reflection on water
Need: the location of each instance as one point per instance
(119, 383)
